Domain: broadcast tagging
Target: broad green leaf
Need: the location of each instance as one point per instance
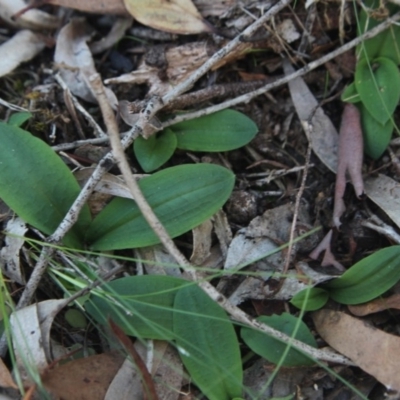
(350, 94)
(376, 135)
(272, 349)
(222, 131)
(378, 84)
(310, 299)
(155, 151)
(207, 344)
(386, 44)
(37, 185)
(367, 279)
(182, 197)
(141, 305)
(19, 118)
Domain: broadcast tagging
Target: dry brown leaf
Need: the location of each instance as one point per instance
(73, 57)
(6, 380)
(376, 305)
(33, 351)
(28, 43)
(175, 16)
(318, 128)
(374, 351)
(95, 6)
(85, 378)
(30, 19)
(9, 254)
(385, 192)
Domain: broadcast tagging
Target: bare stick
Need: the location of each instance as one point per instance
(279, 82)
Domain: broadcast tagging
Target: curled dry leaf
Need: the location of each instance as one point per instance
(30, 19)
(9, 255)
(75, 61)
(385, 192)
(376, 305)
(373, 350)
(94, 6)
(350, 158)
(28, 43)
(318, 128)
(175, 16)
(33, 352)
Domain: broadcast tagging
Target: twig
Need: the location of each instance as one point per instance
(82, 110)
(279, 82)
(213, 92)
(296, 210)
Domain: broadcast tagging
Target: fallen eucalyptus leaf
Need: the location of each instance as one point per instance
(175, 16)
(374, 351)
(376, 305)
(385, 192)
(28, 43)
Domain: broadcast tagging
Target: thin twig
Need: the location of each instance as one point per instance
(279, 82)
(296, 210)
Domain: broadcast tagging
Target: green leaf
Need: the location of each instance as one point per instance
(386, 44)
(222, 131)
(182, 197)
(310, 299)
(376, 136)
(207, 344)
(367, 279)
(378, 84)
(37, 185)
(155, 151)
(350, 94)
(272, 349)
(141, 305)
(19, 118)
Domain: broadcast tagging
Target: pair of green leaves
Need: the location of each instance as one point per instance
(222, 131)
(377, 83)
(173, 309)
(364, 281)
(39, 187)
(168, 308)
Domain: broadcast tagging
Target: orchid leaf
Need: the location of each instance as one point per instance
(141, 305)
(222, 131)
(378, 84)
(153, 152)
(376, 136)
(37, 185)
(310, 299)
(273, 349)
(208, 344)
(367, 279)
(182, 197)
